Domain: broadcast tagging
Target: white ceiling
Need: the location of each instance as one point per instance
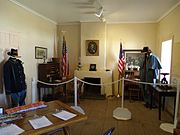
(63, 11)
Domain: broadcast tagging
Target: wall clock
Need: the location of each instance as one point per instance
(92, 47)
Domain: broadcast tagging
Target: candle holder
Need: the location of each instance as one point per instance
(163, 80)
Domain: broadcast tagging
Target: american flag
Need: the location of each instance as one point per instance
(121, 61)
(65, 60)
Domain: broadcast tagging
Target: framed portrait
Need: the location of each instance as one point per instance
(133, 58)
(40, 52)
(92, 47)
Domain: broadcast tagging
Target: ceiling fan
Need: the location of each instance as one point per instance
(95, 4)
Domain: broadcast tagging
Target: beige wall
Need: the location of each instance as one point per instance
(133, 36)
(72, 35)
(32, 31)
(169, 28)
(93, 31)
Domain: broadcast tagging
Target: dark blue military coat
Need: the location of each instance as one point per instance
(14, 77)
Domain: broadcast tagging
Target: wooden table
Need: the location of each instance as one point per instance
(163, 93)
(53, 87)
(57, 123)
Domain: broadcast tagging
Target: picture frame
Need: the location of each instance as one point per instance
(40, 52)
(92, 47)
(92, 67)
(133, 59)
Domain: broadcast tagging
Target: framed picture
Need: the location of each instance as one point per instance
(133, 59)
(92, 67)
(40, 52)
(92, 47)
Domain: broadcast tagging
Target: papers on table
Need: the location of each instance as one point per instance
(40, 122)
(64, 115)
(11, 129)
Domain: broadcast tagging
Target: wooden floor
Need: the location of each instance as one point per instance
(144, 121)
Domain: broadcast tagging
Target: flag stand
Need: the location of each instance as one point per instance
(122, 113)
(118, 95)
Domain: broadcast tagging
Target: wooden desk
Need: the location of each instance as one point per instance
(163, 93)
(53, 87)
(57, 123)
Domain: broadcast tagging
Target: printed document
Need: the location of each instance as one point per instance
(40, 122)
(11, 129)
(64, 115)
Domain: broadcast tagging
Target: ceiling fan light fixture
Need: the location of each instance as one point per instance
(99, 12)
(102, 18)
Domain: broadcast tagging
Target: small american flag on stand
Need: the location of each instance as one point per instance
(121, 61)
(65, 60)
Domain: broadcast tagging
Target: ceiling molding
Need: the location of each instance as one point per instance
(69, 23)
(168, 12)
(32, 11)
(131, 22)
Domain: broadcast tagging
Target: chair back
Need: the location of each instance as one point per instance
(109, 131)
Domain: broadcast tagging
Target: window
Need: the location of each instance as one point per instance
(166, 51)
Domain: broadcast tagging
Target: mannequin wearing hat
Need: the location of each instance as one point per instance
(14, 79)
(149, 71)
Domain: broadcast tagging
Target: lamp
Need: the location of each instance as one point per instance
(99, 12)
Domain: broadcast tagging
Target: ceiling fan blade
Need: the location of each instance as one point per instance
(90, 12)
(91, 1)
(86, 6)
(81, 3)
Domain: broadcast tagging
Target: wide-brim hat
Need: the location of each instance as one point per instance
(145, 49)
(13, 52)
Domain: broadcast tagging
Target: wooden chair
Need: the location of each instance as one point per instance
(134, 91)
(109, 131)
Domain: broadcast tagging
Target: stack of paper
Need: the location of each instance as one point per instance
(40, 122)
(11, 129)
(64, 115)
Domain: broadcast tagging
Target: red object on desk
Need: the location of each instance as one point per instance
(25, 108)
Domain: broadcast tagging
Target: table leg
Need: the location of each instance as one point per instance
(174, 106)
(66, 130)
(159, 106)
(39, 93)
(53, 93)
(151, 96)
(65, 92)
(163, 103)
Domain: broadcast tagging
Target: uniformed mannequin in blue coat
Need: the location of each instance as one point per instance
(149, 72)
(14, 79)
